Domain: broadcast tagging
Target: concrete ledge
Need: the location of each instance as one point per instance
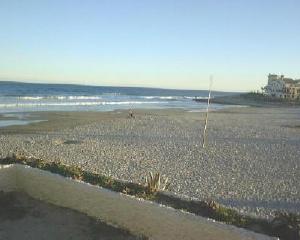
(8, 181)
(138, 216)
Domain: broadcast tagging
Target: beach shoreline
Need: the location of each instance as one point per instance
(250, 162)
(250, 99)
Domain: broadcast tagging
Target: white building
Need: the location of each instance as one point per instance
(281, 87)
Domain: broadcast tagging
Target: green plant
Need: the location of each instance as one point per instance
(156, 183)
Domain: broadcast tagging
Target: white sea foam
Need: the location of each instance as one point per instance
(60, 97)
(104, 95)
(84, 97)
(163, 97)
(173, 97)
(12, 105)
(31, 98)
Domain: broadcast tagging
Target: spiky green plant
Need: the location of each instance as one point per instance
(156, 183)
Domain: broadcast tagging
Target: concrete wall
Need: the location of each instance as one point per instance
(8, 178)
(138, 216)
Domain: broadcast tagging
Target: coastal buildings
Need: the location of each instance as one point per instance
(282, 87)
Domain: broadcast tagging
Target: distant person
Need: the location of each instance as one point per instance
(131, 114)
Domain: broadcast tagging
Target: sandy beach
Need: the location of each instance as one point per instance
(251, 161)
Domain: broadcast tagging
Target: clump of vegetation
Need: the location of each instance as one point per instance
(156, 183)
(284, 225)
(76, 173)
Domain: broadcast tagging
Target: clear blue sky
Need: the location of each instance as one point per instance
(157, 43)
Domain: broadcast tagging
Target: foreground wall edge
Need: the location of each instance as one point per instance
(138, 216)
(8, 178)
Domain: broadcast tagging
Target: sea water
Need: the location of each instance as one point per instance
(29, 97)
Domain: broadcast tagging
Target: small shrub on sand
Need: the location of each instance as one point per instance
(156, 183)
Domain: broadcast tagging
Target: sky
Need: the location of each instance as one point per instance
(159, 43)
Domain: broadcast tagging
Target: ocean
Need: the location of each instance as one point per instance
(30, 97)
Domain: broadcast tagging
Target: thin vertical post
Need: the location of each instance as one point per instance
(207, 110)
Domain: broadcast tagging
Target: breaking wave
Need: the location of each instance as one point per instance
(60, 97)
(23, 104)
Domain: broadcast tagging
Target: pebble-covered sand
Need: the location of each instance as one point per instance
(251, 162)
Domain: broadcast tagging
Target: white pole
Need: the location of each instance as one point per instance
(207, 109)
